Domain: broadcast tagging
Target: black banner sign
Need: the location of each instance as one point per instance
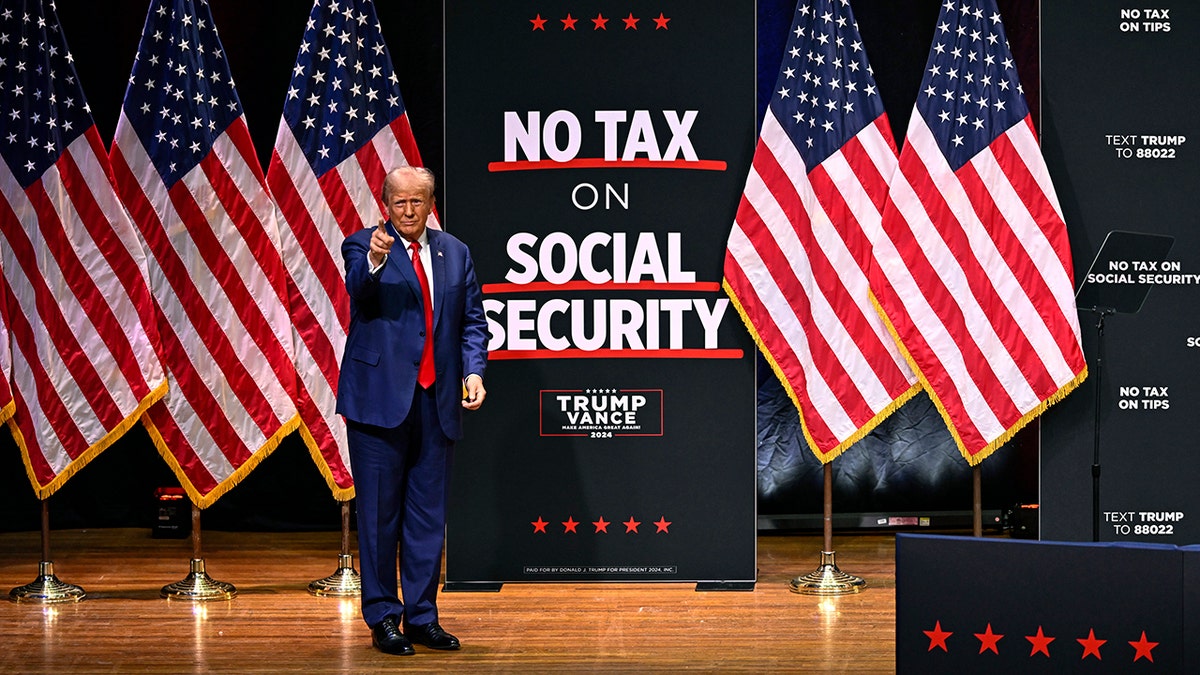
(595, 153)
(1120, 137)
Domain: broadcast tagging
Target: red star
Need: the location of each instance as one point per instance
(538, 23)
(1091, 645)
(601, 525)
(569, 524)
(568, 23)
(539, 525)
(937, 637)
(661, 22)
(1143, 648)
(662, 524)
(630, 22)
(600, 22)
(1041, 643)
(631, 525)
(988, 640)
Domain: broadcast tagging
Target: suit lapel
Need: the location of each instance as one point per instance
(437, 261)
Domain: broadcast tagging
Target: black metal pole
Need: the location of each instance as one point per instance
(1101, 312)
(46, 529)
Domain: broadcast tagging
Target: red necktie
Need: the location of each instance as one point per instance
(425, 375)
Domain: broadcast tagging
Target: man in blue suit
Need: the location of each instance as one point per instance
(415, 356)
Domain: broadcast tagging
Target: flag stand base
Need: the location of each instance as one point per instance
(46, 589)
(827, 579)
(344, 582)
(197, 585)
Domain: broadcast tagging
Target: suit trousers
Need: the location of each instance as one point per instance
(401, 478)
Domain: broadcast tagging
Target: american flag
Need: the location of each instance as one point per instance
(186, 169)
(975, 269)
(74, 291)
(6, 398)
(343, 127)
(800, 248)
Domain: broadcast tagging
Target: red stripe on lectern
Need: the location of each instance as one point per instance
(507, 355)
(544, 286)
(597, 163)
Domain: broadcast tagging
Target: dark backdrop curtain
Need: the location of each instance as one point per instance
(908, 464)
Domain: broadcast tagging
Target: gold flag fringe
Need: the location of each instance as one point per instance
(207, 500)
(858, 435)
(987, 451)
(44, 491)
(341, 494)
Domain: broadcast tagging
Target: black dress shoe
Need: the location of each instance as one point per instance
(431, 635)
(387, 638)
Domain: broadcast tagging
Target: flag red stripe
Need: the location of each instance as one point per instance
(341, 204)
(83, 286)
(319, 429)
(131, 276)
(269, 262)
(941, 385)
(372, 168)
(772, 336)
(22, 336)
(187, 379)
(824, 278)
(266, 250)
(182, 450)
(253, 234)
(1043, 214)
(43, 474)
(1046, 213)
(308, 239)
(942, 299)
(999, 312)
(794, 375)
(192, 301)
(873, 183)
(64, 341)
(239, 134)
(858, 325)
(779, 347)
(945, 307)
(119, 258)
(316, 340)
(402, 129)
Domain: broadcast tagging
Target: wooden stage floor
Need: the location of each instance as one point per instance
(275, 626)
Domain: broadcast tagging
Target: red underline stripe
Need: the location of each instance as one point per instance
(597, 163)
(507, 355)
(545, 286)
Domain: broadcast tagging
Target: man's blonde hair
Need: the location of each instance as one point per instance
(419, 172)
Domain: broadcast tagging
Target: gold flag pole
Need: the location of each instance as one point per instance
(46, 589)
(197, 585)
(345, 580)
(827, 579)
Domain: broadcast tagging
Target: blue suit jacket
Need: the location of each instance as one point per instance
(387, 324)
